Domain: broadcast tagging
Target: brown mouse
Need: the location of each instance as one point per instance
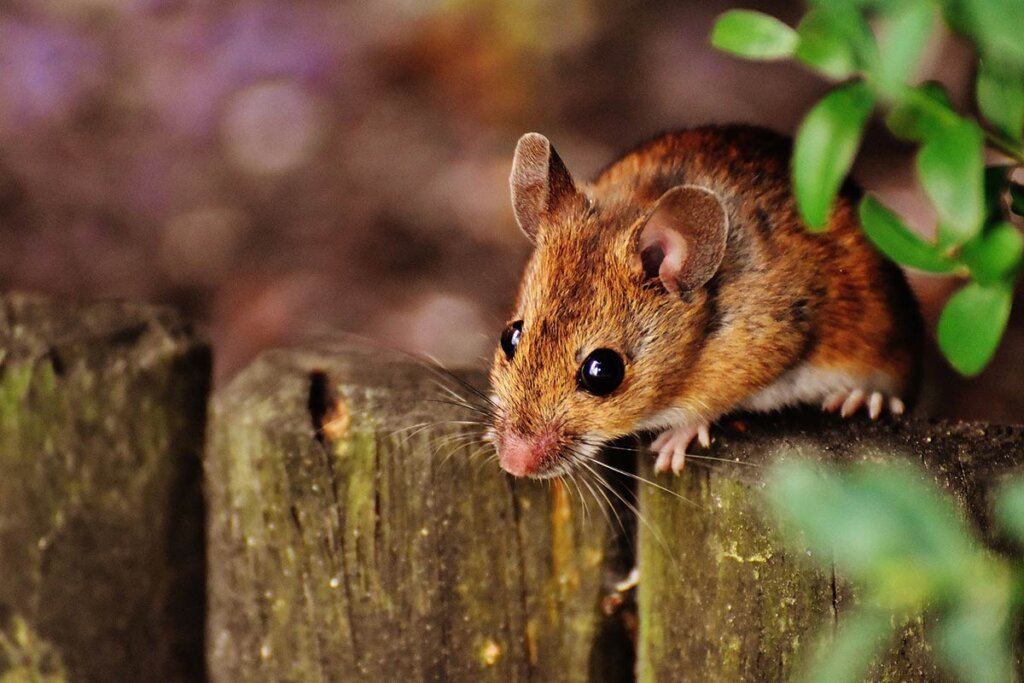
(680, 285)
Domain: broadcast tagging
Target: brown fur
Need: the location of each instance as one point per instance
(782, 296)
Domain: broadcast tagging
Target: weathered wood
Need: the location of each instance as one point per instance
(102, 414)
(721, 598)
(348, 544)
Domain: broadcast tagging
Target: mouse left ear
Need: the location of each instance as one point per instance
(540, 183)
(682, 242)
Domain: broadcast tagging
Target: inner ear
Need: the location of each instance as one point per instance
(682, 242)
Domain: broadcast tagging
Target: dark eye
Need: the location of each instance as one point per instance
(601, 372)
(510, 338)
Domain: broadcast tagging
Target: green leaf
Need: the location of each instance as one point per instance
(972, 324)
(894, 239)
(753, 35)
(835, 40)
(902, 42)
(951, 166)
(974, 640)
(1001, 99)
(994, 26)
(826, 143)
(994, 254)
(884, 526)
(1009, 508)
(921, 112)
(847, 657)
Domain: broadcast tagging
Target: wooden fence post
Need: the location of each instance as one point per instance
(722, 599)
(102, 413)
(348, 541)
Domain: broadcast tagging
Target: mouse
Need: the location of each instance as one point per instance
(681, 285)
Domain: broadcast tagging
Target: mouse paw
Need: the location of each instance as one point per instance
(849, 402)
(671, 446)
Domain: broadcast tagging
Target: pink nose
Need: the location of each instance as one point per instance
(522, 456)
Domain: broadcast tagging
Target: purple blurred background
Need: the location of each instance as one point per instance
(283, 169)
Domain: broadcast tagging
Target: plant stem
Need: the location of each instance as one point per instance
(1010, 150)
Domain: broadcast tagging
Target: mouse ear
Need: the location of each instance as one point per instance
(682, 241)
(540, 182)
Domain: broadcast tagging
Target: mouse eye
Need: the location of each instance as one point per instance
(510, 338)
(601, 372)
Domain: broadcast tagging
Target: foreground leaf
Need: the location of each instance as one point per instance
(973, 640)
(1001, 99)
(951, 167)
(1009, 508)
(972, 323)
(884, 526)
(901, 244)
(825, 146)
(903, 41)
(835, 40)
(848, 655)
(753, 35)
(921, 112)
(995, 254)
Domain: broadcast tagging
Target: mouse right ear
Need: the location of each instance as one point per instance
(539, 181)
(682, 242)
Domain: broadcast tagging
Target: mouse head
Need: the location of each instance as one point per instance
(611, 313)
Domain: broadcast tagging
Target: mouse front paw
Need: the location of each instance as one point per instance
(671, 446)
(849, 402)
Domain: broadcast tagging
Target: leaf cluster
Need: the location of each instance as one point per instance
(873, 49)
(893, 534)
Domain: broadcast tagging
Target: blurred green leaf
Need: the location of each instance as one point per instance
(753, 35)
(1009, 508)
(847, 656)
(1001, 99)
(973, 640)
(884, 526)
(826, 143)
(1017, 198)
(920, 112)
(835, 39)
(994, 26)
(902, 41)
(994, 254)
(950, 165)
(972, 324)
(894, 239)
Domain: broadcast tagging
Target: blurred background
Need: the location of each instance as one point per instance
(281, 169)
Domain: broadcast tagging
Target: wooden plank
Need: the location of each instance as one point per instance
(347, 544)
(721, 598)
(102, 414)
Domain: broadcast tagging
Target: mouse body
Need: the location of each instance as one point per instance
(680, 285)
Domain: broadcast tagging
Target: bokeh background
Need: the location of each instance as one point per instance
(282, 169)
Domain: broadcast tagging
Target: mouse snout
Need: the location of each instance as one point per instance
(530, 455)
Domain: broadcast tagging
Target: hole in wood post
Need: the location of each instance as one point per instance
(56, 362)
(321, 403)
(329, 416)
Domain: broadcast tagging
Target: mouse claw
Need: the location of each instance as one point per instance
(671, 446)
(703, 436)
(852, 403)
(896, 406)
(875, 405)
(849, 402)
